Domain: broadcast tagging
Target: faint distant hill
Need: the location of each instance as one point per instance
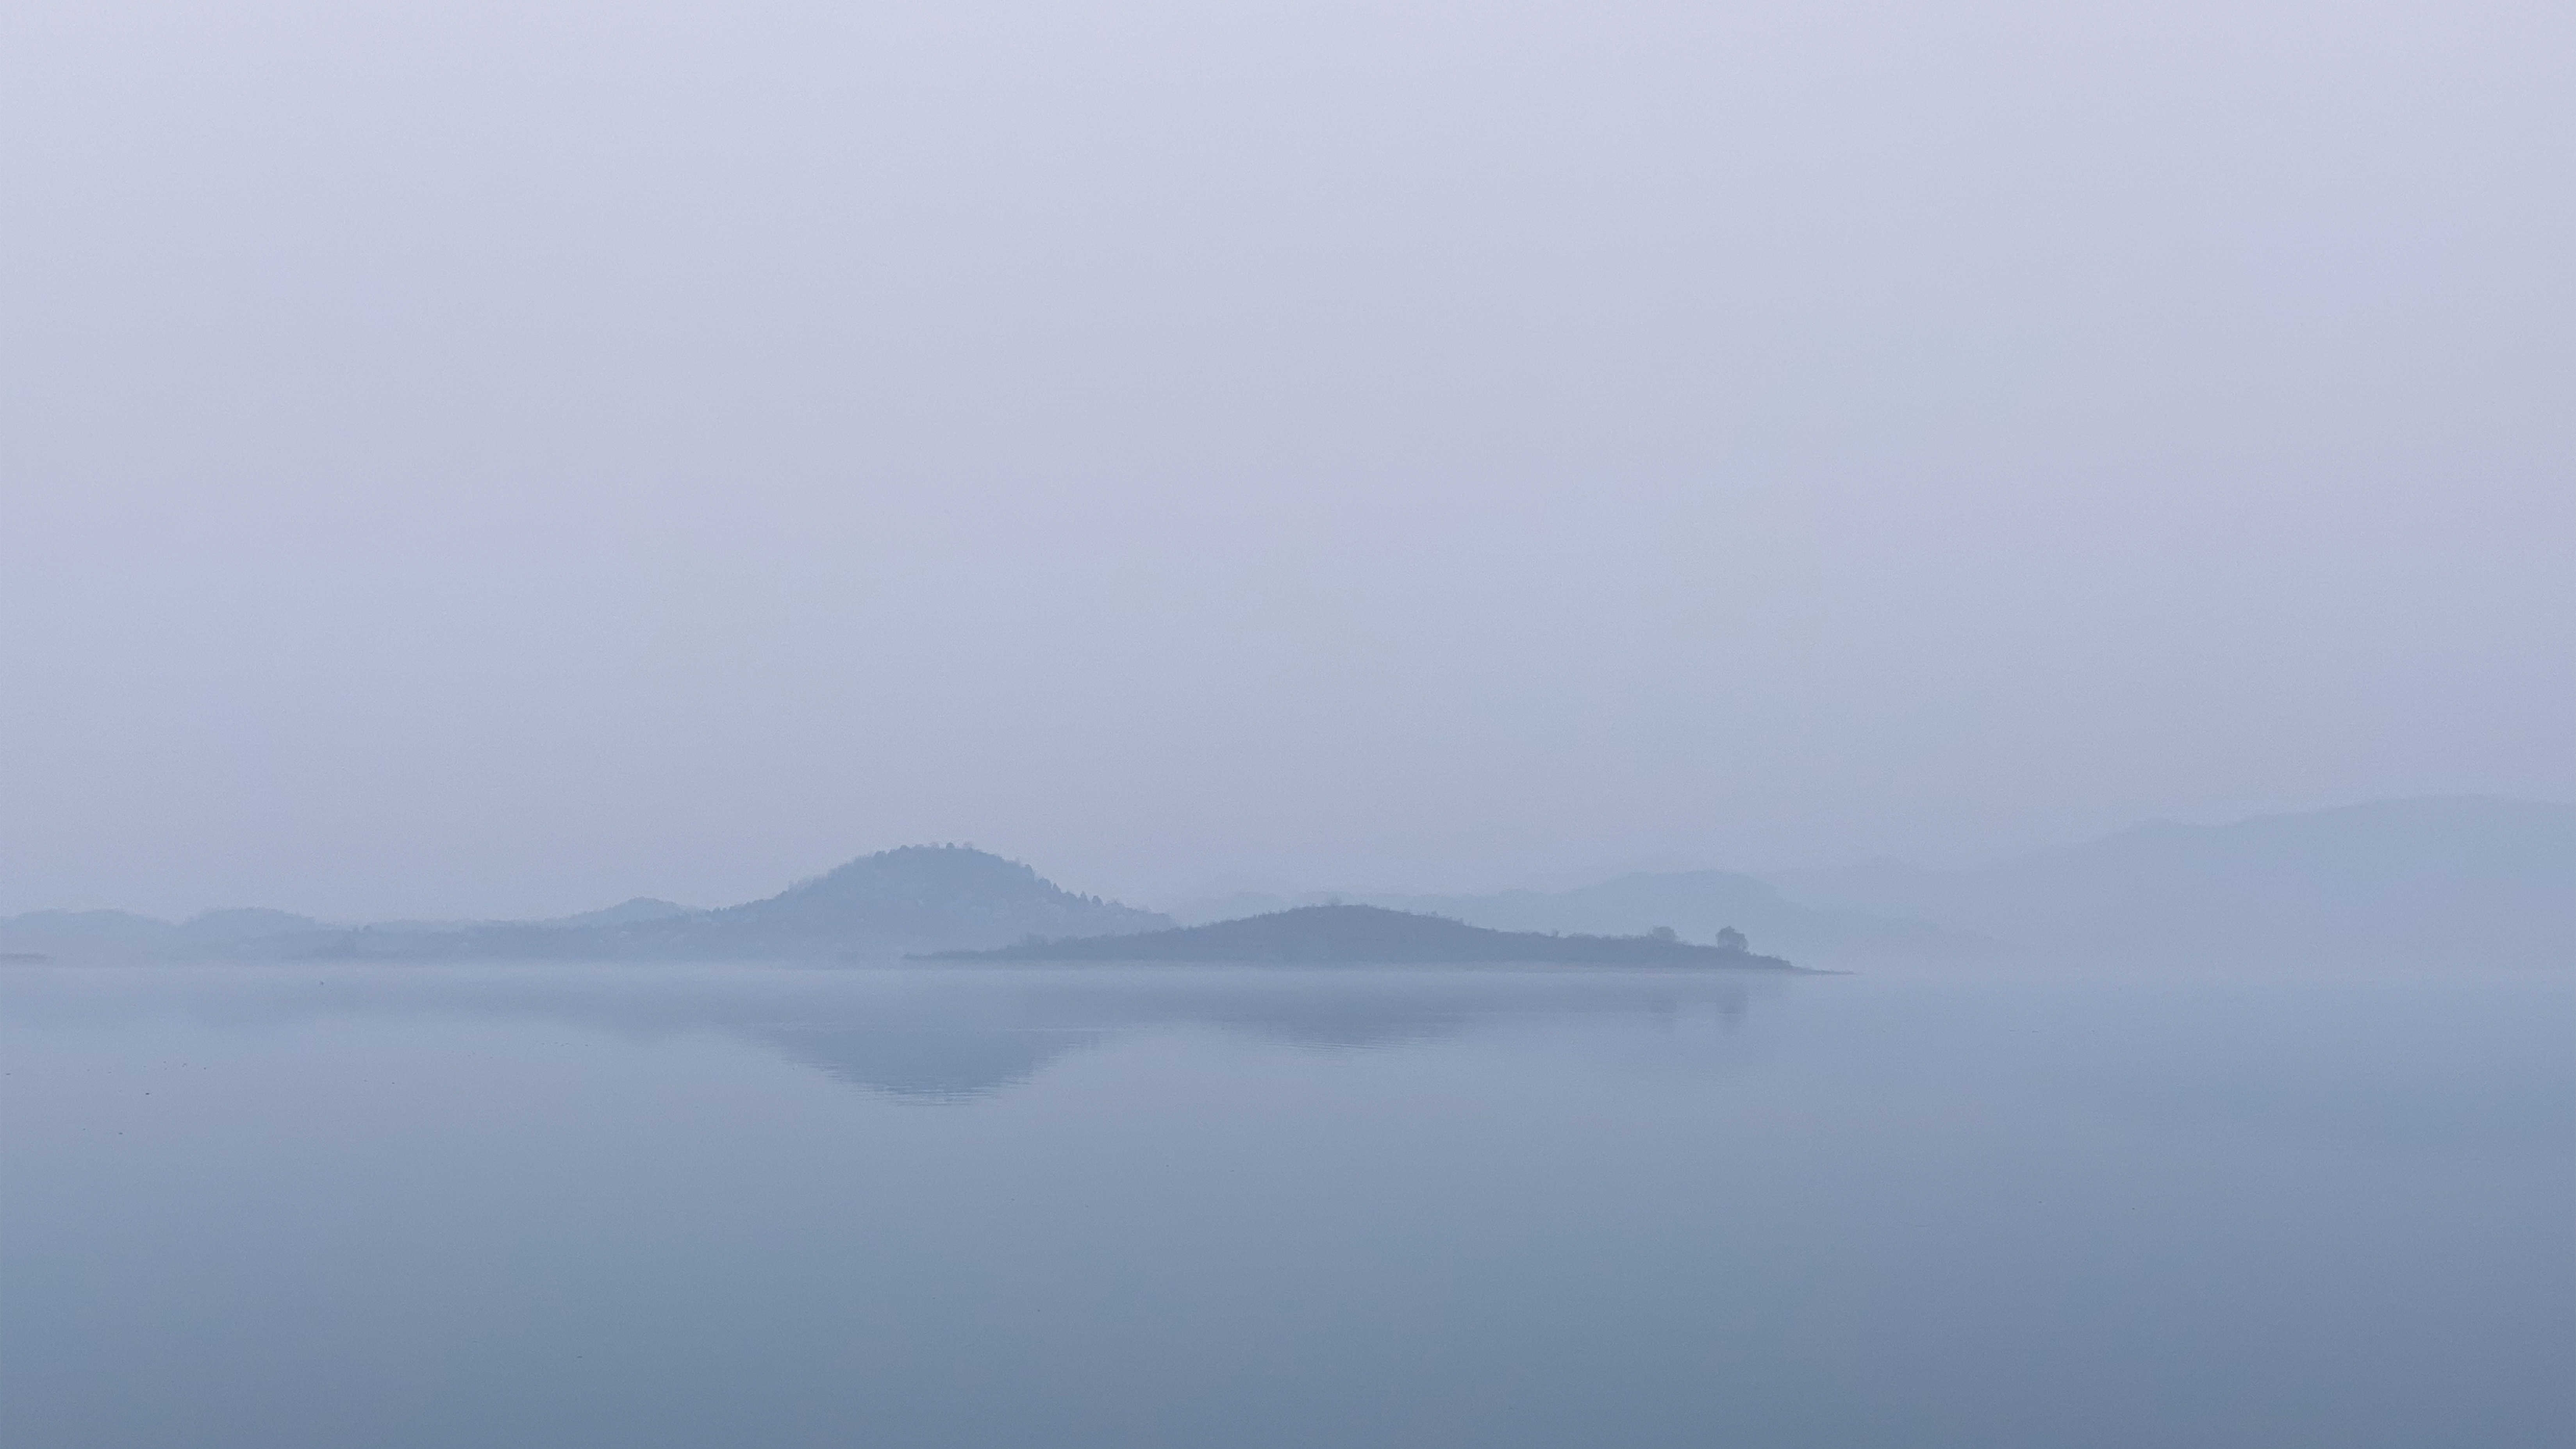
(626, 913)
(2454, 881)
(1697, 903)
(1373, 935)
(920, 897)
(123, 936)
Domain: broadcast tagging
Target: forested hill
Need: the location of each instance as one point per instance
(1373, 935)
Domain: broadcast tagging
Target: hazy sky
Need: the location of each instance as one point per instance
(503, 457)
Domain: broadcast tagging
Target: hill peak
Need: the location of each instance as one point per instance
(917, 873)
(929, 892)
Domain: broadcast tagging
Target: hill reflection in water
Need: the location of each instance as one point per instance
(922, 1033)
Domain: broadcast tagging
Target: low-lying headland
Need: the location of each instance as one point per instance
(1348, 935)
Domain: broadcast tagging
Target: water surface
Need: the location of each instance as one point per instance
(951, 1206)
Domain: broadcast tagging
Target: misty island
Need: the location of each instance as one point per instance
(1374, 935)
(941, 903)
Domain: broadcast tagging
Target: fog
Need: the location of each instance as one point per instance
(482, 459)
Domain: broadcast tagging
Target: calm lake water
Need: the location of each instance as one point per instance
(626, 1207)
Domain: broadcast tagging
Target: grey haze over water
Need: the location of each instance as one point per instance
(640, 1206)
(492, 461)
(1894, 478)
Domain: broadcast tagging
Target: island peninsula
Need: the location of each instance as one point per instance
(1375, 936)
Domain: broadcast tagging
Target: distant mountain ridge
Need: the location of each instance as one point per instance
(1374, 935)
(2462, 881)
